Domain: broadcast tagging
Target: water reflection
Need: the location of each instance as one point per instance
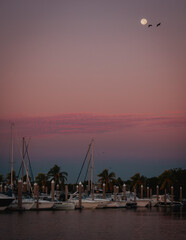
(142, 223)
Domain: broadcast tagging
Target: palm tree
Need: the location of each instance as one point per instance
(57, 176)
(41, 180)
(166, 180)
(137, 181)
(107, 178)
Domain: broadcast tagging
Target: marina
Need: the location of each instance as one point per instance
(103, 194)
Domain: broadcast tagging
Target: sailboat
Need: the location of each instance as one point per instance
(91, 200)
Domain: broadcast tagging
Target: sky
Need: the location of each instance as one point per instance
(72, 71)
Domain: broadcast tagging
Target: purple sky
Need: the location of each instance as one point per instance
(76, 70)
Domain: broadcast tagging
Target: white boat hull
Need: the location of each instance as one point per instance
(43, 205)
(64, 206)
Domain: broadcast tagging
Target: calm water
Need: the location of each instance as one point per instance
(100, 224)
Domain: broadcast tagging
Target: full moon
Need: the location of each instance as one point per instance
(143, 21)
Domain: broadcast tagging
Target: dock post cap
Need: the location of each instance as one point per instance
(53, 181)
(19, 180)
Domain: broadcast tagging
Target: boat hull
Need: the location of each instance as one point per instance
(64, 206)
(5, 201)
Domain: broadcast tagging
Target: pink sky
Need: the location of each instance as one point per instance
(75, 70)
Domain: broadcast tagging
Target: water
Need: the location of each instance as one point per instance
(100, 224)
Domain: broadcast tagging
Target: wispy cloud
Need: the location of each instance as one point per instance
(91, 123)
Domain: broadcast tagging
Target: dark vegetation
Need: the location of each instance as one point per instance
(172, 177)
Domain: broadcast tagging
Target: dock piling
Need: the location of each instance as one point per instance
(172, 194)
(20, 194)
(157, 192)
(147, 192)
(151, 193)
(104, 196)
(35, 190)
(80, 192)
(24, 187)
(134, 195)
(37, 196)
(92, 191)
(52, 189)
(66, 192)
(141, 191)
(124, 191)
(180, 194)
(165, 197)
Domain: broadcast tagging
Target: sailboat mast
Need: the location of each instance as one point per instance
(89, 169)
(23, 153)
(27, 170)
(12, 167)
(92, 164)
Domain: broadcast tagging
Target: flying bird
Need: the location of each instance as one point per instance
(150, 25)
(158, 24)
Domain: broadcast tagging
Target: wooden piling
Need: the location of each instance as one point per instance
(24, 187)
(66, 192)
(172, 195)
(92, 191)
(115, 193)
(1, 188)
(147, 192)
(124, 191)
(5, 188)
(180, 194)
(134, 195)
(165, 197)
(43, 188)
(104, 196)
(20, 194)
(150, 193)
(35, 190)
(157, 193)
(52, 189)
(80, 193)
(37, 196)
(141, 191)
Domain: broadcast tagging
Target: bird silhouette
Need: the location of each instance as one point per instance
(150, 25)
(158, 24)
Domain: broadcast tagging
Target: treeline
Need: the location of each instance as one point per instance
(173, 177)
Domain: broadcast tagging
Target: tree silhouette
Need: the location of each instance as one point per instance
(137, 181)
(59, 177)
(107, 178)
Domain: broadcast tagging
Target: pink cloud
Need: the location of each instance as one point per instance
(91, 123)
